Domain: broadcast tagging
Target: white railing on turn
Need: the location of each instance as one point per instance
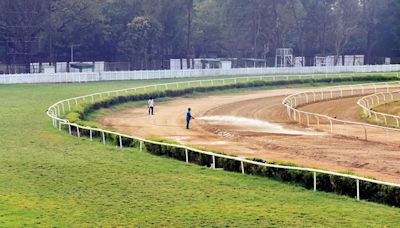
(58, 109)
(337, 126)
(164, 74)
(367, 103)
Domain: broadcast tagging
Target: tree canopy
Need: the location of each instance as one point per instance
(147, 30)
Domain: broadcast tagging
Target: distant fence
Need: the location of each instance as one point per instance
(165, 74)
(57, 110)
(337, 126)
(369, 102)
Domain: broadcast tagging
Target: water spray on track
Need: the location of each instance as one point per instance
(254, 124)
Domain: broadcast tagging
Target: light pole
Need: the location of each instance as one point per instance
(72, 53)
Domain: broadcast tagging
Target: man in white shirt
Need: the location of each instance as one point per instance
(150, 106)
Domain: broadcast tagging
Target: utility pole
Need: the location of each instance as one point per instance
(189, 31)
(73, 46)
(72, 53)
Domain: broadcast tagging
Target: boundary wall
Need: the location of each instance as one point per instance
(165, 74)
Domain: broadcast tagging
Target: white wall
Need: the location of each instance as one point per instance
(160, 74)
(226, 65)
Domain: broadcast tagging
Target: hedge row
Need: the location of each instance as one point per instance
(325, 182)
(328, 183)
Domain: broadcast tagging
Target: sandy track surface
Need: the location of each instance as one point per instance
(344, 109)
(251, 136)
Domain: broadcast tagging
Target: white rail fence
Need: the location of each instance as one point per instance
(369, 102)
(165, 74)
(57, 110)
(334, 125)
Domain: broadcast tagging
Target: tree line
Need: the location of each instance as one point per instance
(148, 30)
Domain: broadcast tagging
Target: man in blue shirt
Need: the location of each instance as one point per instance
(188, 118)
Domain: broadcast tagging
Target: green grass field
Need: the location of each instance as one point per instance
(50, 179)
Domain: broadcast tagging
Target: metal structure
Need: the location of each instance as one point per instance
(284, 57)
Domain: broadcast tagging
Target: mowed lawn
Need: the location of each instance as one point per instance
(50, 179)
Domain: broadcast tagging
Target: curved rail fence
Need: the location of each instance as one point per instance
(367, 103)
(355, 186)
(333, 125)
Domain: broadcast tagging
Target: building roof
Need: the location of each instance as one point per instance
(210, 60)
(82, 66)
(255, 60)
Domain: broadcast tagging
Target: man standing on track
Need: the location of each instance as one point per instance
(150, 106)
(188, 118)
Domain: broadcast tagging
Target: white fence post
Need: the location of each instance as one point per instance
(365, 134)
(358, 188)
(58, 110)
(186, 155)
(315, 181)
(213, 160)
(103, 136)
(120, 142)
(242, 167)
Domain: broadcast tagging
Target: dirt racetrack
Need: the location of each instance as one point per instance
(256, 125)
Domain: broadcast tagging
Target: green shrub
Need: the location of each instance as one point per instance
(200, 159)
(168, 151)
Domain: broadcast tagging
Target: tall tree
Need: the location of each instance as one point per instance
(21, 25)
(143, 33)
(346, 23)
(74, 22)
(189, 12)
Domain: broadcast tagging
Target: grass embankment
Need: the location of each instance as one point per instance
(48, 178)
(391, 108)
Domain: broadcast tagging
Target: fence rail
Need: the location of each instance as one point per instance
(367, 103)
(331, 124)
(165, 74)
(57, 110)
